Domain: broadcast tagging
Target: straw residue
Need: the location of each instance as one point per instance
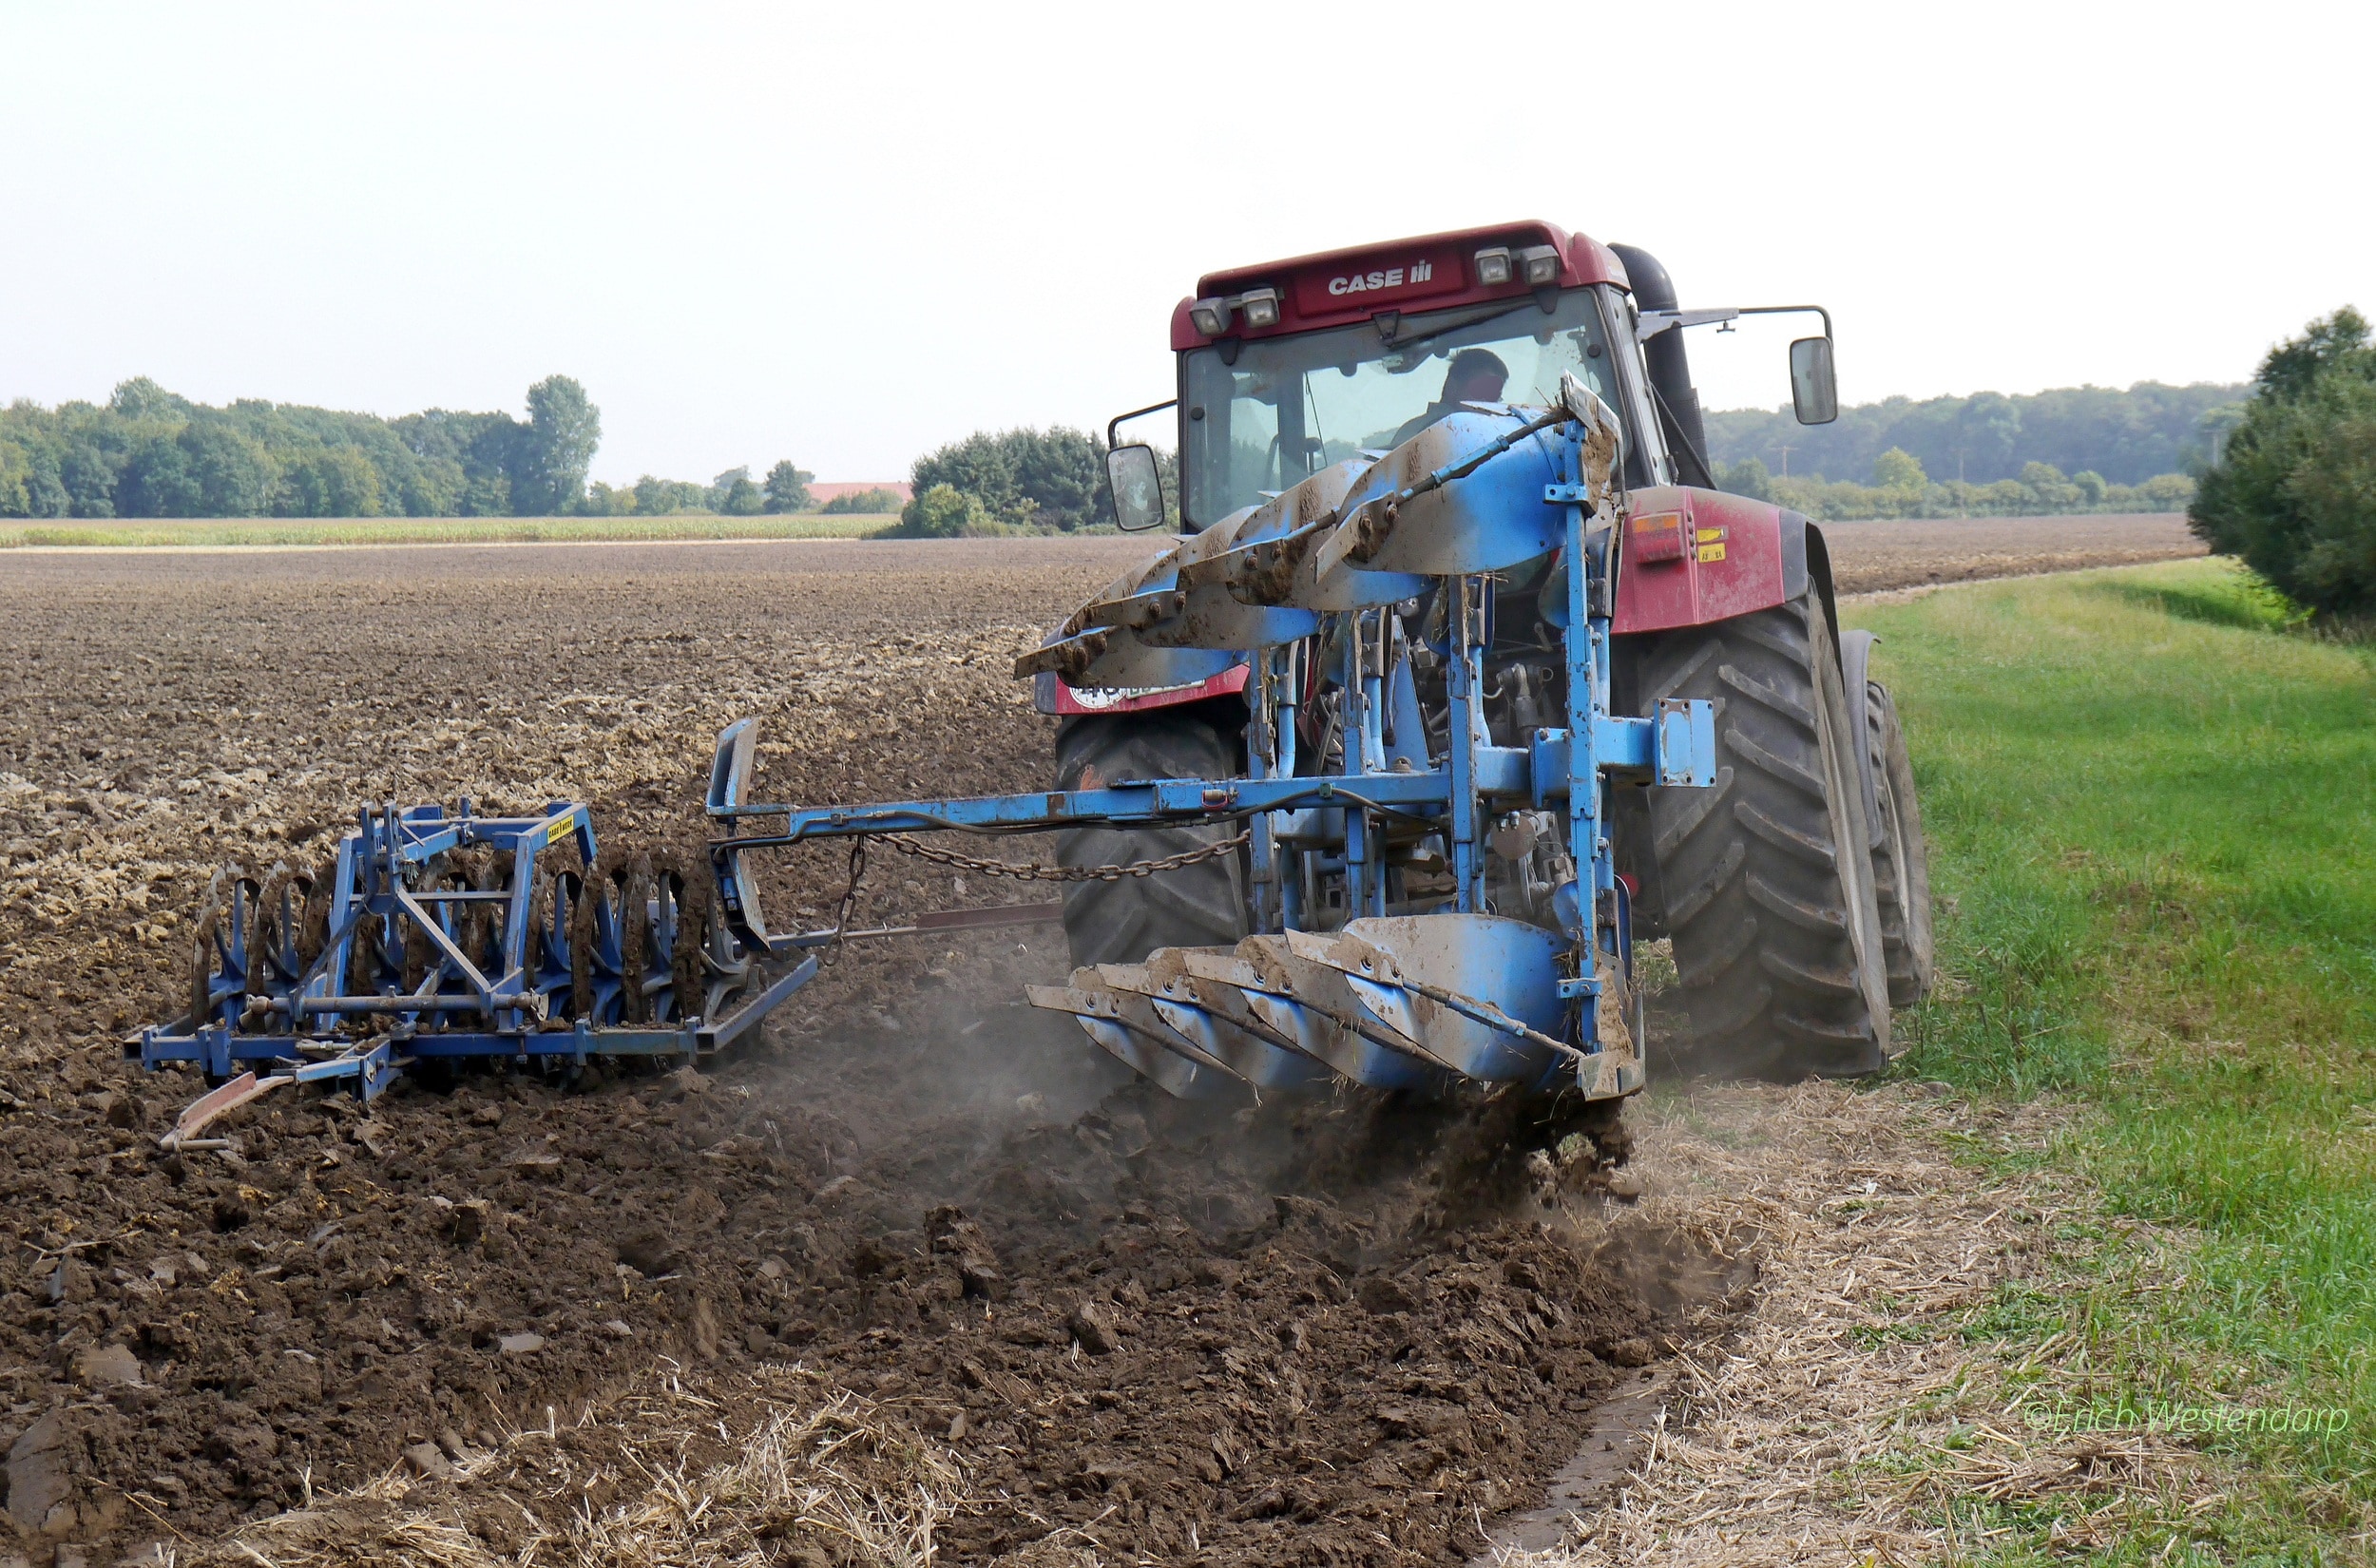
(1861, 1412)
(777, 1468)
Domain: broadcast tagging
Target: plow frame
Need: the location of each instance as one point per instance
(1290, 816)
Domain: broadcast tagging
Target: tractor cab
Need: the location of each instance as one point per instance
(1288, 368)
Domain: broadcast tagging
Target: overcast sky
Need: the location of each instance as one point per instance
(846, 234)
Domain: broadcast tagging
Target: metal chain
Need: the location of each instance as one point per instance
(1030, 871)
(850, 893)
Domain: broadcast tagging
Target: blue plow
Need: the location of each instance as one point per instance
(1421, 908)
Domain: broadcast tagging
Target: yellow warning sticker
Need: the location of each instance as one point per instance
(1711, 536)
(1711, 552)
(559, 830)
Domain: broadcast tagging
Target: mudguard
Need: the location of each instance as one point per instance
(1692, 556)
(1051, 696)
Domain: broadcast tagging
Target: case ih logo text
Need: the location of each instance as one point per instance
(1393, 278)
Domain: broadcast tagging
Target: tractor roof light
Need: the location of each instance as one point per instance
(1538, 264)
(1493, 266)
(1261, 307)
(1210, 316)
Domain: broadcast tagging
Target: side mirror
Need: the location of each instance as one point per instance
(1138, 488)
(1814, 396)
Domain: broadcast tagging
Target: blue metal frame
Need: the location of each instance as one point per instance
(1312, 830)
(353, 1013)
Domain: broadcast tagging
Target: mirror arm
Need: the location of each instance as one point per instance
(1655, 322)
(1113, 425)
(1788, 310)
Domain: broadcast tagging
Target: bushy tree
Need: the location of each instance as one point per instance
(787, 489)
(1899, 469)
(1748, 477)
(16, 471)
(150, 452)
(1025, 479)
(657, 497)
(2294, 493)
(89, 480)
(732, 494)
(234, 474)
(141, 399)
(2054, 492)
(603, 501)
(334, 482)
(155, 478)
(551, 461)
(486, 495)
(943, 511)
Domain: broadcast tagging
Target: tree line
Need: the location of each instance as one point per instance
(150, 452)
(1901, 487)
(2126, 437)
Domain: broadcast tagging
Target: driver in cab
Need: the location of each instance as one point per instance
(1475, 375)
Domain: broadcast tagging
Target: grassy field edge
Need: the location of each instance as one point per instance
(2150, 801)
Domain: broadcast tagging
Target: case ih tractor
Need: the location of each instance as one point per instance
(1455, 680)
(1790, 877)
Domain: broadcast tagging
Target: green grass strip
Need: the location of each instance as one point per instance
(2152, 813)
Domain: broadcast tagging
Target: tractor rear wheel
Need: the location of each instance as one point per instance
(1901, 860)
(1764, 882)
(1199, 906)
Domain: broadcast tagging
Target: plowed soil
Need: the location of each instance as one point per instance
(1344, 1331)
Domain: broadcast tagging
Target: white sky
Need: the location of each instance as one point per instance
(846, 236)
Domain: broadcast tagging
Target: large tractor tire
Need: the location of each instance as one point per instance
(1199, 906)
(1901, 860)
(1765, 881)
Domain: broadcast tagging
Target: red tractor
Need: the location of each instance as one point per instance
(1794, 889)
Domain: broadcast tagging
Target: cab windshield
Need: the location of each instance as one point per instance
(1290, 406)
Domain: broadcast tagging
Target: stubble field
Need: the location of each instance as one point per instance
(1051, 1317)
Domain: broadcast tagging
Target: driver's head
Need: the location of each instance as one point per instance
(1476, 376)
